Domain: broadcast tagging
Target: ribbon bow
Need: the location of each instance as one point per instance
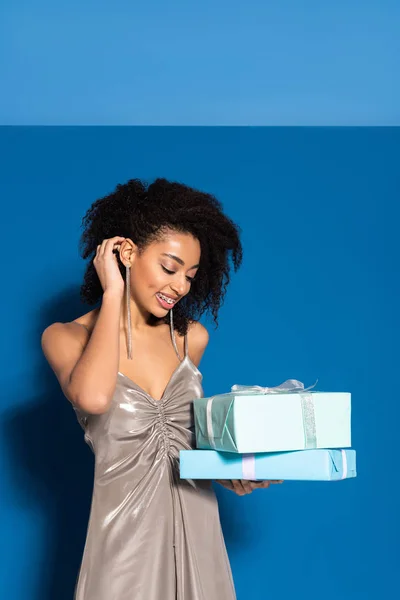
(291, 386)
(288, 386)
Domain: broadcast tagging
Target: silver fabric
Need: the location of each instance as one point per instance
(151, 536)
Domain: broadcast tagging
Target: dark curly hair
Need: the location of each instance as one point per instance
(143, 213)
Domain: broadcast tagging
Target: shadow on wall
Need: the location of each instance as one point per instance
(52, 470)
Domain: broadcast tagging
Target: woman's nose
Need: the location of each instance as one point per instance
(179, 286)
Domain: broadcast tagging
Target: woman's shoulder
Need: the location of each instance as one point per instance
(197, 338)
(198, 333)
(74, 331)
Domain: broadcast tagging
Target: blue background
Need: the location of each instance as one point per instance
(317, 297)
(214, 62)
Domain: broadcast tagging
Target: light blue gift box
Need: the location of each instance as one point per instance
(310, 465)
(287, 417)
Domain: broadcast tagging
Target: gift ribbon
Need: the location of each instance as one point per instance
(210, 429)
(290, 385)
(249, 467)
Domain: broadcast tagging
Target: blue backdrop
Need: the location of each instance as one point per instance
(218, 62)
(317, 297)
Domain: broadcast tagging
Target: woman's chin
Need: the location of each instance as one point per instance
(158, 311)
(159, 314)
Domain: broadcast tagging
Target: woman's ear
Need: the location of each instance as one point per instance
(128, 251)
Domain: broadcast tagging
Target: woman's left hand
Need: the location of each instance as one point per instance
(243, 486)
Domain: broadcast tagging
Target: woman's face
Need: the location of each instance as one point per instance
(161, 275)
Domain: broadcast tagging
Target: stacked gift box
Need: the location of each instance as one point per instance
(287, 432)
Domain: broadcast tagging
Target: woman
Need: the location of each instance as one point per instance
(160, 259)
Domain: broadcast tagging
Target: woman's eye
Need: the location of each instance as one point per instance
(190, 279)
(167, 270)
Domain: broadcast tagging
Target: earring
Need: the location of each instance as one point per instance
(128, 308)
(171, 322)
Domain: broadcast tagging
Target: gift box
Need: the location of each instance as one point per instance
(309, 465)
(287, 417)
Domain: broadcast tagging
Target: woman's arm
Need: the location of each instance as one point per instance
(86, 364)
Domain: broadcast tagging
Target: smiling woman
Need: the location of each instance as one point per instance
(160, 257)
(144, 214)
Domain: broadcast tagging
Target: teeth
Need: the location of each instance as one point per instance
(169, 300)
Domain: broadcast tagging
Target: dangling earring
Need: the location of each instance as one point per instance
(128, 308)
(171, 322)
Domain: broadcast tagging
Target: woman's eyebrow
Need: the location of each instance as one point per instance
(178, 260)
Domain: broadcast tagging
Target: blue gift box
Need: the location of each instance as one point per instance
(288, 417)
(311, 465)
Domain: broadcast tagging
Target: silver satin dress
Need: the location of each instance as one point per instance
(151, 535)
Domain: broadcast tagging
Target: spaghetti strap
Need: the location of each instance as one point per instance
(172, 332)
(185, 341)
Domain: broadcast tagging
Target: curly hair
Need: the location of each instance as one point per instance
(144, 213)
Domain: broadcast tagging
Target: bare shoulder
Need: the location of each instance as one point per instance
(71, 330)
(64, 332)
(62, 345)
(197, 338)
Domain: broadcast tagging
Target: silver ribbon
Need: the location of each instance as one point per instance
(291, 386)
(288, 386)
(210, 428)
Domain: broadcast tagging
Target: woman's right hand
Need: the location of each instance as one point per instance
(106, 265)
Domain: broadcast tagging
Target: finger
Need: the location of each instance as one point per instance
(114, 245)
(261, 484)
(226, 483)
(237, 487)
(107, 244)
(247, 486)
(116, 241)
(267, 482)
(103, 247)
(254, 485)
(115, 248)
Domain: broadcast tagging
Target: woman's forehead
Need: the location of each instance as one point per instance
(182, 245)
(176, 239)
